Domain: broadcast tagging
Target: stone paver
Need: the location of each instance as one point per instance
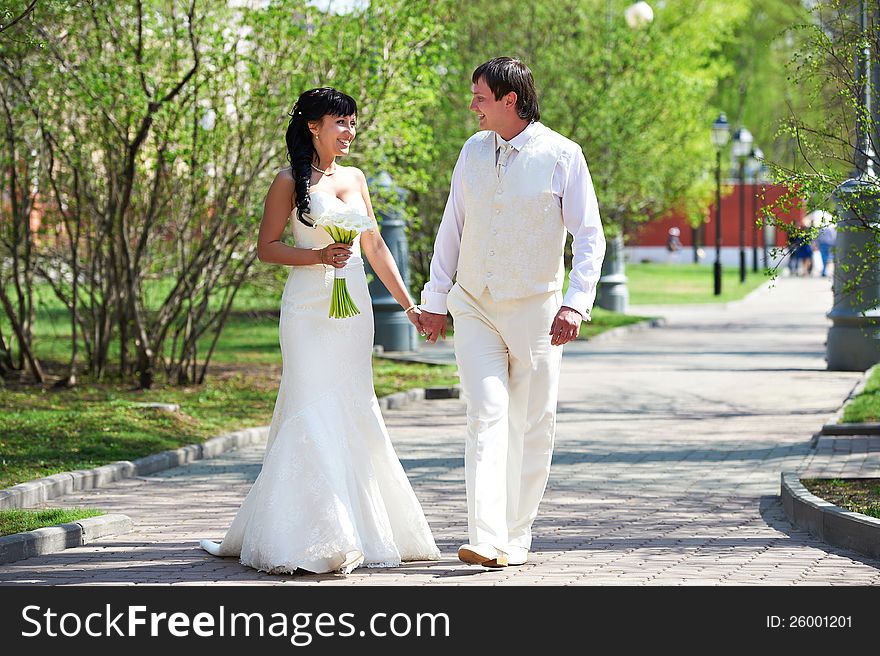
(666, 470)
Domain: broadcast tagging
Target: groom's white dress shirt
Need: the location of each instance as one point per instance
(573, 189)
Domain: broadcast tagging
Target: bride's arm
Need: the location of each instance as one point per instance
(380, 258)
(276, 211)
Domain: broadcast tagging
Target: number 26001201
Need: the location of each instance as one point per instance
(809, 622)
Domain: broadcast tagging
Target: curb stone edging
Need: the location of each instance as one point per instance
(32, 493)
(35, 492)
(833, 425)
(51, 539)
(400, 399)
(831, 524)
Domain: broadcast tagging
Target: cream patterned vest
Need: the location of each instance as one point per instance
(513, 235)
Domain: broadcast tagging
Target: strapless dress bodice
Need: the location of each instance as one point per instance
(322, 203)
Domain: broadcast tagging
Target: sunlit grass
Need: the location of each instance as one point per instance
(664, 284)
(19, 521)
(866, 406)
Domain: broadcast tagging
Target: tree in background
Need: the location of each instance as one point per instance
(158, 126)
(638, 101)
(835, 132)
(756, 91)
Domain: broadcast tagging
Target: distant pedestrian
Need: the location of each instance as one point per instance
(800, 249)
(826, 240)
(673, 243)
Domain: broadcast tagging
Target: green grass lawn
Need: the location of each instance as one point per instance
(602, 320)
(18, 521)
(861, 495)
(668, 284)
(866, 406)
(44, 432)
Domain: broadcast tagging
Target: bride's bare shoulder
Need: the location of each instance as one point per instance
(283, 181)
(285, 175)
(353, 172)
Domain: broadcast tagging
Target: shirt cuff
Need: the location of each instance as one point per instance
(579, 301)
(433, 302)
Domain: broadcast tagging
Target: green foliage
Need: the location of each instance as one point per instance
(639, 102)
(831, 130)
(755, 90)
(158, 135)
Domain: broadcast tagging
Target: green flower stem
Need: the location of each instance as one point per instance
(341, 304)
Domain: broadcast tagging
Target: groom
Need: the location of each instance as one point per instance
(516, 188)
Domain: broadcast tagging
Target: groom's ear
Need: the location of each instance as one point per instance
(510, 100)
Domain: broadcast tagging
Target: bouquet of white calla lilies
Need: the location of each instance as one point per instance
(343, 227)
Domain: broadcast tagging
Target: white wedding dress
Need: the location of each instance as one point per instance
(332, 494)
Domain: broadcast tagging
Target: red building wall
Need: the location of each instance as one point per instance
(656, 232)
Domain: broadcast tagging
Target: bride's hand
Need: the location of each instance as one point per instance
(415, 319)
(335, 255)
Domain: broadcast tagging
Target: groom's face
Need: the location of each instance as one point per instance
(489, 111)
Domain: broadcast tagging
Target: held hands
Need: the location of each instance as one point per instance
(335, 255)
(413, 314)
(432, 326)
(566, 326)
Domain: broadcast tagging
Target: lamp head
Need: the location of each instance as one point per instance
(720, 131)
(742, 142)
(638, 15)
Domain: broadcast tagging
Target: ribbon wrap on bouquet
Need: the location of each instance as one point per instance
(343, 227)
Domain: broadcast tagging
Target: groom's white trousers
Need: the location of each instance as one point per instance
(510, 380)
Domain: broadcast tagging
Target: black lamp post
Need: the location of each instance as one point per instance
(742, 146)
(720, 135)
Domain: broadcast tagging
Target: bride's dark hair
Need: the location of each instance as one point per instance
(312, 105)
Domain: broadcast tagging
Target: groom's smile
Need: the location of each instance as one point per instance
(489, 110)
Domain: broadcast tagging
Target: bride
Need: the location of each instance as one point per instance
(331, 495)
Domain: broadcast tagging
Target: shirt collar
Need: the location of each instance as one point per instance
(519, 140)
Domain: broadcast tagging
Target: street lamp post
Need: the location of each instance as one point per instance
(769, 229)
(393, 330)
(853, 342)
(612, 293)
(742, 146)
(720, 135)
(755, 166)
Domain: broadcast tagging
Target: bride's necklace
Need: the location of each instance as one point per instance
(327, 172)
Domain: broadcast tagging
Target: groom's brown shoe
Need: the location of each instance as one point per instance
(482, 554)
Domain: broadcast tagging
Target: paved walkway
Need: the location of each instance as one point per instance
(666, 470)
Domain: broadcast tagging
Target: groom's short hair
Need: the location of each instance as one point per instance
(505, 74)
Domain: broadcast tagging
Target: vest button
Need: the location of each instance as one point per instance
(489, 275)
(491, 252)
(499, 190)
(497, 211)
